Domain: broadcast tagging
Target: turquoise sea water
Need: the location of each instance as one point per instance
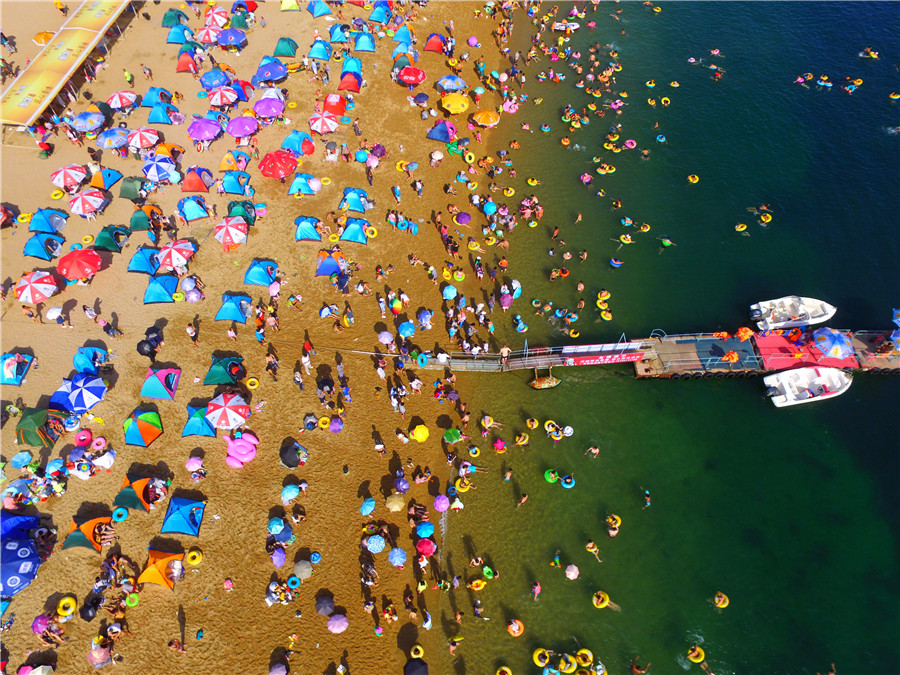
(793, 513)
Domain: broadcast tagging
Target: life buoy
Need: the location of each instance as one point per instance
(574, 333)
(119, 514)
(606, 315)
(615, 262)
(24, 218)
(67, 605)
(602, 304)
(417, 652)
(194, 557)
(351, 105)
(584, 657)
(515, 628)
(371, 232)
(766, 218)
(469, 157)
(292, 104)
(740, 227)
(252, 383)
(645, 227)
(477, 585)
(600, 600)
(565, 141)
(293, 582)
(422, 360)
(503, 670)
(178, 296)
(665, 101)
(57, 194)
(696, 654)
(613, 520)
(721, 600)
(532, 181)
(549, 425)
(462, 485)
(76, 247)
(83, 438)
(324, 422)
(693, 178)
(132, 599)
(472, 185)
(334, 237)
(568, 482)
(563, 272)
(87, 239)
(509, 192)
(551, 476)
(98, 443)
(567, 664)
(401, 166)
(522, 439)
(474, 451)
(531, 423)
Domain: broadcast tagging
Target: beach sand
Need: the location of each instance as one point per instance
(241, 634)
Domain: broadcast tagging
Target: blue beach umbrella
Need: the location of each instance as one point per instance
(215, 78)
(375, 543)
(450, 83)
(159, 167)
(87, 391)
(896, 318)
(367, 506)
(271, 70)
(113, 138)
(425, 529)
(231, 37)
(290, 492)
(396, 556)
(832, 344)
(449, 292)
(87, 121)
(406, 329)
(275, 525)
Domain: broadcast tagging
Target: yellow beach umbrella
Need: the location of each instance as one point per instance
(486, 118)
(420, 433)
(455, 103)
(43, 37)
(395, 503)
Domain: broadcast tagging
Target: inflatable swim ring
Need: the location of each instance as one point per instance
(613, 520)
(194, 557)
(696, 654)
(740, 227)
(567, 482)
(326, 181)
(665, 101)
(87, 239)
(615, 262)
(604, 295)
(98, 443)
(293, 581)
(531, 423)
(551, 476)
(119, 514)
(606, 315)
(334, 237)
(478, 584)
(66, 606)
(574, 333)
(509, 192)
(371, 232)
(515, 628)
(132, 599)
(83, 438)
(473, 185)
(57, 194)
(503, 670)
(24, 218)
(721, 600)
(602, 304)
(474, 451)
(252, 383)
(541, 657)
(766, 218)
(462, 485)
(585, 657)
(178, 296)
(567, 664)
(693, 178)
(417, 652)
(600, 600)
(324, 422)
(469, 157)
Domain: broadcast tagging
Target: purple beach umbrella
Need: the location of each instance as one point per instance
(441, 503)
(242, 126)
(269, 107)
(203, 129)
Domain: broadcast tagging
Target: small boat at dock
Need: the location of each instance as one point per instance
(547, 381)
(790, 311)
(804, 385)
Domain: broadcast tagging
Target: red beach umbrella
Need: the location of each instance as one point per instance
(411, 75)
(278, 164)
(426, 546)
(68, 176)
(79, 264)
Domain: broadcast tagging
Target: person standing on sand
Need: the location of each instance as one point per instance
(192, 333)
(148, 74)
(129, 78)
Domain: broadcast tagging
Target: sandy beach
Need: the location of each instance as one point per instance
(234, 631)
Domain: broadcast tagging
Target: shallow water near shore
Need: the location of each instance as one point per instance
(793, 513)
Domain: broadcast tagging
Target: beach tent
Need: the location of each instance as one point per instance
(160, 114)
(435, 43)
(197, 179)
(318, 8)
(339, 33)
(243, 89)
(290, 5)
(33, 428)
(225, 370)
(329, 263)
(19, 560)
(236, 183)
(190, 47)
(160, 289)
(306, 229)
(104, 179)
(355, 230)
(184, 516)
(364, 42)
(162, 569)
(320, 50)
(243, 6)
(351, 65)
(404, 34)
(140, 218)
(179, 35)
(48, 221)
(144, 261)
(401, 62)
(155, 96)
(186, 64)
(303, 183)
(299, 143)
(112, 238)
(234, 308)
(44, 246)
(82, 532)
(381, 13)
(350, 82)
(160, 383)
(402, 49)
(192, 208)
(89, 359)
(174, 17)
(16, 524)
(14, 367)
(443, 131)
(234, 160)
(131, 188)
(355, 199)
(142, 427)
(285, 47)
(239, 20)
(335, 104)
(261, 273)
(197, 424)
(132, 494)
(245, 209)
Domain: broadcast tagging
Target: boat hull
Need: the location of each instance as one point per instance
(805, 385)
(790, 311)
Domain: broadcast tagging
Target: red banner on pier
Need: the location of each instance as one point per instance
(601, 359)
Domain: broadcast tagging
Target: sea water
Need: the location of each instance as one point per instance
(793, 513)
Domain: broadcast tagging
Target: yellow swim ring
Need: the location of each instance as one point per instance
(740, 227)
(531, 423)
(57, 194)
(696, 654)
(509, 192)
(462, 485)
(532, 181)
(600, 600)
(24, 218)
(324, 422)
(371, 232)
(474, 451)
(334, 237)
(549, 424)
(503, 670)
(602, 304)
(766, 218)
(674, 83)
(604, 295)
(87, 239)
(721, 600)
(401, 165)
(541, 657)
(693, 178)
(194, 557)
(584, 657)
(67, 605)
(665, 100)
(472, 185)
(252, 383)
(469, 157)
(326, 181)
(417, 652)
(574, 333)
(645, 227)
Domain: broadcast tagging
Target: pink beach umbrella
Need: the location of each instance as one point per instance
(121, 99)
(68, 176)
(175, 254)
(338, 623)
(231, 232)
(572, 572)
(227, 411)
(35, 287)
(426, 546)
(323, 123)
(222, 96)
(86, 201)
(145, 137)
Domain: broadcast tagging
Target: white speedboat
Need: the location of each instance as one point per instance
(789, 312)
(803, 385)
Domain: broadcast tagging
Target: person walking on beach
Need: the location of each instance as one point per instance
(272, 366)
(536, 590)
(192, 333)
(148, 74)
(129, 78)
(306, 361)
(522, 500)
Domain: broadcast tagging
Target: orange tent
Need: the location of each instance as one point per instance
(160, 570)
(131, 494)
(168, 148)
(82, 533)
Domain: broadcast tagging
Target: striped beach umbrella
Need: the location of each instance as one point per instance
(208, 35)
(87, 391)
(68, 176)
(216, 16)
(231, 231)
(158, 168)
(323, 123)
(35, 287)
(227, 411)
(222, 96)
(175, 254)
(145, 137)
(86, 201)
(121, 99)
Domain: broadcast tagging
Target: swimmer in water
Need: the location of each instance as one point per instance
(646, 498)
(535, 590)
(636, 669)
(594, 451)
(591, 547)
(555, 562)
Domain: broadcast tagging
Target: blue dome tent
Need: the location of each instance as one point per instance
(44, 246)
(155, 96)
(197, 424)
(179, 34)
(144, 261)
(355, 230)
(338, 33)
(234, 308)
(318, 8)
(237, 183)
(320, 50)
(261, 273)
(160, 289)
(184, 516)
(364, 42)
(49, 221)
(306, 229)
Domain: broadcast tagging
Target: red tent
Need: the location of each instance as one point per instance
(194, 180)
(335, 104)
(278, 164)
(435, 43)
(186, 64)
(349, 82)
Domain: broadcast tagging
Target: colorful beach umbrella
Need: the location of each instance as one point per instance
(242, 126)
(86, 392)
(450, 83)
(425, 529)
(159, 168)
(203, 129)
(231, 231)
(112, 138)
(337, 623)
(426, 547)
(572, 572)
(208, 35)
(375, 543)
(452, 435)
(323, 123)
(278, 164)
(35, 287)
(222, 96)
(68, 176)
(144, 137)
(216, 16)
(269, 107)
(227, 411)
(411, 75)
(367, 506)
(420, 433)
(833, 344)
(87, 201)
(142, 427)
(121, 99)
(79, 264)
(87, 121)
(231, 37)
(441, 503)
(396, 557)
(395, 503)
(486, 118)
(176, 254)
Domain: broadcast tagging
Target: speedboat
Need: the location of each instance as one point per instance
(789, 312)
(804, 385)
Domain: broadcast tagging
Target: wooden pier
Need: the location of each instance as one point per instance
(686, 356)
